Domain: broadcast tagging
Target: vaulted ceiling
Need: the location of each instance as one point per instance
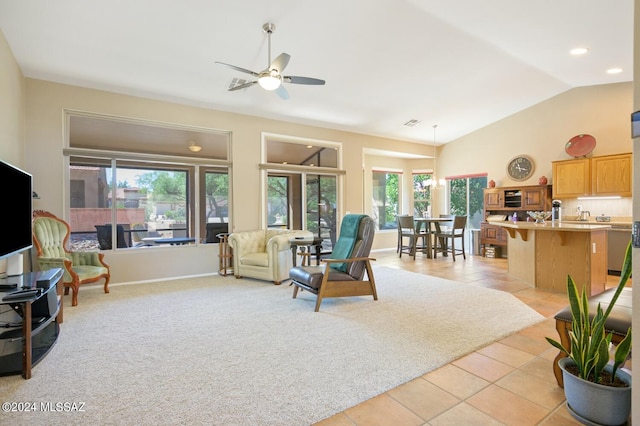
(460, 64)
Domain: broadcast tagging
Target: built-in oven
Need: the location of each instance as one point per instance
(619, 237)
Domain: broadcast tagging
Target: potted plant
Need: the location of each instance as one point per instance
(596, 391)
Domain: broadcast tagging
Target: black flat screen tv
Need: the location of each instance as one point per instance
(17, 210)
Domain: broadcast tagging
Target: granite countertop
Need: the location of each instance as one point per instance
(556, 226)
(615, 221)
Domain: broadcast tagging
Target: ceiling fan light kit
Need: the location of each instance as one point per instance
(271, 78)
(270, 81)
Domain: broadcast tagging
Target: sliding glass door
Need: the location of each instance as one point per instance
(286, 197)
(321, 198)
(466, 197)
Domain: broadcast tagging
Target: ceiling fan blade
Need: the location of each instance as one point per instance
(280, 63)
(303, 80)
(253, 73)
(282, 92)
(242, 86)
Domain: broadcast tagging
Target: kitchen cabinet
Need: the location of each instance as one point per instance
(571, 178)
(611, 175)
(492, 234)
(503, 202)
(521, 198)
(493, 199)
(596, 176)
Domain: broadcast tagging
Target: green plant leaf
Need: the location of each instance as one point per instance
(589, 341)
(622, 353)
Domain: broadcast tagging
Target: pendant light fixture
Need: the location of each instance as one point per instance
(434, 182)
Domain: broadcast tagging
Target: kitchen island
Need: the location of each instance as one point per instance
(544, 254)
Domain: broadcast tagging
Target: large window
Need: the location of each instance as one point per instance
(421, 194)
(147, 200)
(215, 218)
(385, 192)
(321, 195)
(466, 197)
(278, 204)
(137, 183)
(302, 181)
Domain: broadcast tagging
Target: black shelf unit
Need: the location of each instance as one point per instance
(27, 341)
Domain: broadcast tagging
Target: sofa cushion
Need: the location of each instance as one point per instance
(311, 276)
(255, 259)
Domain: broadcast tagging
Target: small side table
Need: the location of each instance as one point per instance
(305, 243)
(225, 256)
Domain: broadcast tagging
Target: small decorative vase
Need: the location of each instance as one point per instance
(492, 183)
(542, 180)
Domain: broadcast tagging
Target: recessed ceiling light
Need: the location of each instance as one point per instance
(614, 70)
(579, 51)
(309, 146)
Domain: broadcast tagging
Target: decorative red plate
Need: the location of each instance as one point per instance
(580, 145)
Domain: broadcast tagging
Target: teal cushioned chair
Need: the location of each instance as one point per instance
(51, 239)
(343, 274)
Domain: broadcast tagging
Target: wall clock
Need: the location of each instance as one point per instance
(520, 167)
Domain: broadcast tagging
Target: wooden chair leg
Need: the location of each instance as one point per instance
(464, 255)
(453, 249)
(563, 328)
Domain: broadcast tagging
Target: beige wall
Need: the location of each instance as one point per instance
(12, 112)
(542, 131)
(12, 107)
(46, 103)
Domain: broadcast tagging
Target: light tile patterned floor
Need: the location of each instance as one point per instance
(509, 382)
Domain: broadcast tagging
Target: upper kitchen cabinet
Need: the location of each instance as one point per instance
(596, 176)
(611, 175)
(517, 198)
(571, 178)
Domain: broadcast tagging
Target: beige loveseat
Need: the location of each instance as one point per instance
(264, 254)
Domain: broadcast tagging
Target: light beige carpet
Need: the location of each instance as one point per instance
(222, 351)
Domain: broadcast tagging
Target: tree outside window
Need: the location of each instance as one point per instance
(385, 192)
(421, 194)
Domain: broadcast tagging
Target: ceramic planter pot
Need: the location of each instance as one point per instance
(591, 403)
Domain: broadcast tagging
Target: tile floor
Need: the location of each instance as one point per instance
(509, 382)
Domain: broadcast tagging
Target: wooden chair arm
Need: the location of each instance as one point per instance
(350, 260)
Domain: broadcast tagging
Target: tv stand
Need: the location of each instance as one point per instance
(27, 341)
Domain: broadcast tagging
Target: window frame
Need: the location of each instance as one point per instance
(196, 168)
(376, 206)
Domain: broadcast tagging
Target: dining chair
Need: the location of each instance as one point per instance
(407, 230)
(456, 231)
(103, 233)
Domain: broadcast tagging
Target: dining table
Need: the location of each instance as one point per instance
(432, 226)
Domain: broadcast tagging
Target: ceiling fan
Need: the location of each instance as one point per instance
(271, 78)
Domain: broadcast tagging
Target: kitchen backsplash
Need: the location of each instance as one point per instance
(622, 207)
